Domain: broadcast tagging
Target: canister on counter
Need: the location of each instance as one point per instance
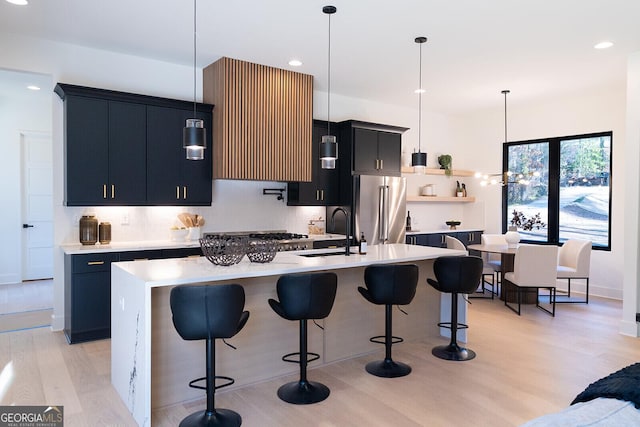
(104, 232)
(88, 230)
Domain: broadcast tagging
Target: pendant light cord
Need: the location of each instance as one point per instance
(420, 103)
(329, 82)
(194, 58)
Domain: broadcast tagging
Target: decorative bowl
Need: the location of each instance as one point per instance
(453, 224)
(262, 250)
(224, 251)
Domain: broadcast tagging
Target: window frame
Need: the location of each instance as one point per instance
(553, 226)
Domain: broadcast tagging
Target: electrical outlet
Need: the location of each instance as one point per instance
(125, 219)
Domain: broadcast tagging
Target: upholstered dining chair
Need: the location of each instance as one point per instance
(534, 267)
(574, 261)
(487, 271)
(493, 261)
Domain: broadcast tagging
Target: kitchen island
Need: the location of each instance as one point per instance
(151, 365)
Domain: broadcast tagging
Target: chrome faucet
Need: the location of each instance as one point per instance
(348, 230)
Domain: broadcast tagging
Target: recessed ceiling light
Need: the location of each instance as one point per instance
(19, 2)
(603, 45)
(419, 91)
(33, 87)
(295, 63)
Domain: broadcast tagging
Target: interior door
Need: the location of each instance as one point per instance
(37, 206)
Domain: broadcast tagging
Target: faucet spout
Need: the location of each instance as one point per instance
(348, 226)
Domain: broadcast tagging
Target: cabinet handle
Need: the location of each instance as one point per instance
(377, 164)
(184, 192)
(113, 191)
(322, 195)
(177, 192)
(442, 239)
(95, 263)
(381, 163)
(317, 194)
(104, 191)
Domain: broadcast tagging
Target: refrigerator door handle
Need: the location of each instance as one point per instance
(384, 223)
(381, 214)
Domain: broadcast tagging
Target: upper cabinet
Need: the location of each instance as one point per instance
(105, 152)
(126, 149)
(324, 188)
(262, 121)
(177, 181)
(375, 149)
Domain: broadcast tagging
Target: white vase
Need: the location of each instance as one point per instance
(512, 237)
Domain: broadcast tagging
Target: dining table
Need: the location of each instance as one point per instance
(507, 260)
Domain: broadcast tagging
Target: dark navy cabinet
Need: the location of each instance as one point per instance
(438, 240)
(87, 289)
(324, 188)
(126, 150)
(174, 180)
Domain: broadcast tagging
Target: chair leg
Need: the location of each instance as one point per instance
(388, 368)
(303, 391)
(453, 351)
(568, 300)
(212, 417)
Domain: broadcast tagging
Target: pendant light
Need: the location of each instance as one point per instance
(419, 159)
(194, 135)
(329, 146)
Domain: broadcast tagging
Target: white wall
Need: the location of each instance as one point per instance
(601, 109)
(631, 258)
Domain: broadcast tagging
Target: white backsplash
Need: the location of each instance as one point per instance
(236, 206)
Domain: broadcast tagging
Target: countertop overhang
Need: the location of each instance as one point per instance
(169, 272)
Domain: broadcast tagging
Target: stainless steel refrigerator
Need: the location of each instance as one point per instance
(379, 208)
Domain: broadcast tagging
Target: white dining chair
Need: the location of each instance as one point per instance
(494, 261)
(534, 267)
(574, 261)
(453, 243)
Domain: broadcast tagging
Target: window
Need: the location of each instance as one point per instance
(559, 188)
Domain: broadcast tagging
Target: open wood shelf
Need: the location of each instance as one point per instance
(433, 171)
(440, 199)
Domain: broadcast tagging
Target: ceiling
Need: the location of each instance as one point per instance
(537, 49)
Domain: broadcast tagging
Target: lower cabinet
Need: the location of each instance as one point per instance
(87, 290)
(438, 240)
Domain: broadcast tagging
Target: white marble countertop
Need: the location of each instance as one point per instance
(169, 272)
(77, 248)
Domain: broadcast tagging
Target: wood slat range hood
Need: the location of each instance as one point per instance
(262, 121)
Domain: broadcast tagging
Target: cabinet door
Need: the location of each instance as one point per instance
(197, 184)
(127, 154)
(324, 187)
(87, 150)
(91, 297)
(171, 178)
(390, 152)
(365, 152)
(436, 240)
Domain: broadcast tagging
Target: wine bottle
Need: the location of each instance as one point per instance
(408, 228)
(362, 249)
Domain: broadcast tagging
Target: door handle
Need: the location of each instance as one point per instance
(27, 225)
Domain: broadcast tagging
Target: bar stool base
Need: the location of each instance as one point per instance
(388, 368)
(303, 392)
(453, 352)
(219, 418)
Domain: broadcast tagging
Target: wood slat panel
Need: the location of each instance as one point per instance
(262, 121)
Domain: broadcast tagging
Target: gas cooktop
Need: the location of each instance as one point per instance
(286, 241)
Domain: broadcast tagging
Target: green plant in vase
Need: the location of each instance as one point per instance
(445, 163)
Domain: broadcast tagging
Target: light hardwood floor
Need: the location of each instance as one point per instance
(526, 366)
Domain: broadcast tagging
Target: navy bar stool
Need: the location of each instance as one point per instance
(455, 275)
(388, 285)
(303, 297)
(208, 312)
